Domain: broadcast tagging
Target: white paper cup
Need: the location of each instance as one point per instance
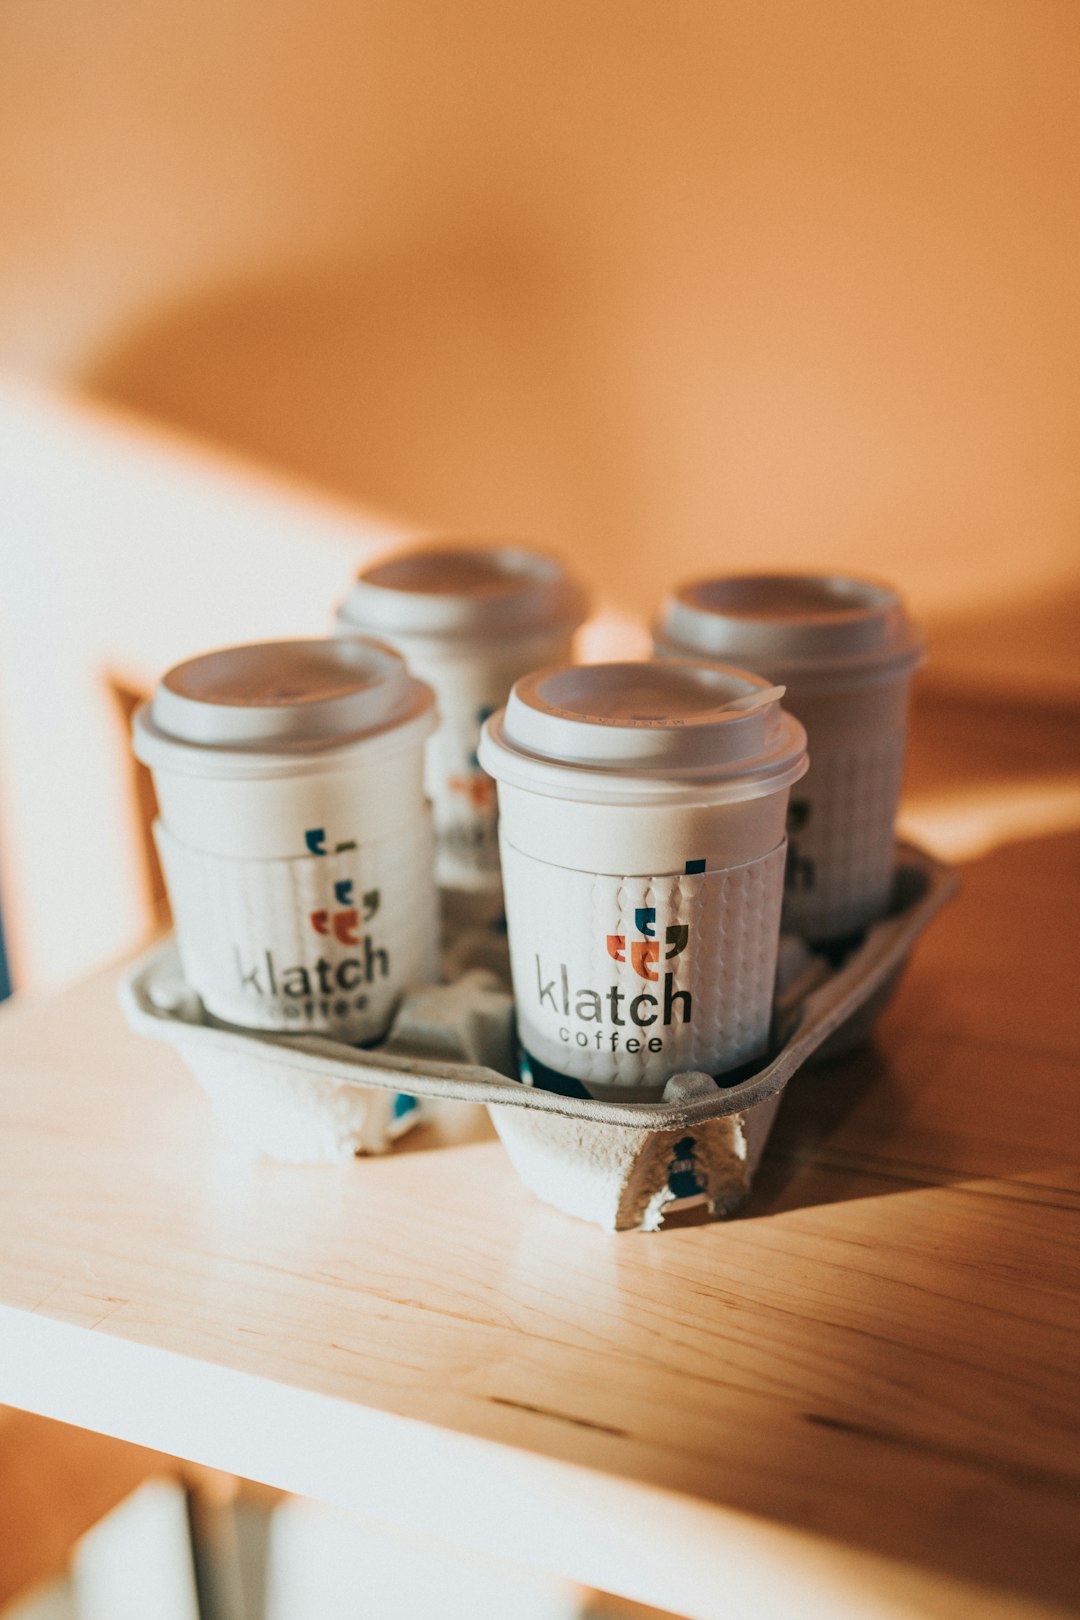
(845, 651)
(469, 621)
(642, 830)
(296, 840)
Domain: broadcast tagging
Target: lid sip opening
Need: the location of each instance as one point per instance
(644, 730)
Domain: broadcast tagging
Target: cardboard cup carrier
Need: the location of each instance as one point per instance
(255, 748)
(625, 1166)
(845, 651)
(469, 621)
(642, 812)
(296, 840)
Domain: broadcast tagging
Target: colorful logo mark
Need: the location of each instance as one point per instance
(344, 924)
(315, 839)
(645, 952)
(476, 787)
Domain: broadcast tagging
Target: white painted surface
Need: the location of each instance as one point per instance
(698, 1559)
(329, 1565)
(123, 551)
(136, 1564)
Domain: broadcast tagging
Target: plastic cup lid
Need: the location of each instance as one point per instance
(817, 623)
(639, 732)
(492, 591)
(278, 704)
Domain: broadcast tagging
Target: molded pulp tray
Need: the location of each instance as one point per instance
(622, 1165)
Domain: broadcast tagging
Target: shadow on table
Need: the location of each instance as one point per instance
(984, 1021)
(807, 1160)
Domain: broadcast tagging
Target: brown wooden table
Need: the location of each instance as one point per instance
(860, 1396)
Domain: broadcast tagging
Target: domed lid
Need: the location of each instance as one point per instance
(823, 624)
(641, 732)
(464, 591)
(277, 704)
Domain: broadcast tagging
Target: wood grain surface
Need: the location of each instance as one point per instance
(859, 1396)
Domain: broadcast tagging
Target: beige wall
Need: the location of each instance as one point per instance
(674, 285)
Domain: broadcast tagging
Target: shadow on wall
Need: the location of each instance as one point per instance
(678, 288)
(478, 387)
(451, 387)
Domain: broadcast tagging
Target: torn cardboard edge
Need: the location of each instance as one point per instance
(622, 1165)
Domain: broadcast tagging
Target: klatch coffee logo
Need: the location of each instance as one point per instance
(331, 986)
(634, 1016)
(467, 806)
(325, 937)
(621, 981)
(344, 924)
(473, 784)
(645, 952)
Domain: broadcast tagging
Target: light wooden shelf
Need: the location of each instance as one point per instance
(859, 1397)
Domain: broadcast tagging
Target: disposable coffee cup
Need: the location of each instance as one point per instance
(295, 836)
(642, 812)
(845, 650)
(469, 620)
